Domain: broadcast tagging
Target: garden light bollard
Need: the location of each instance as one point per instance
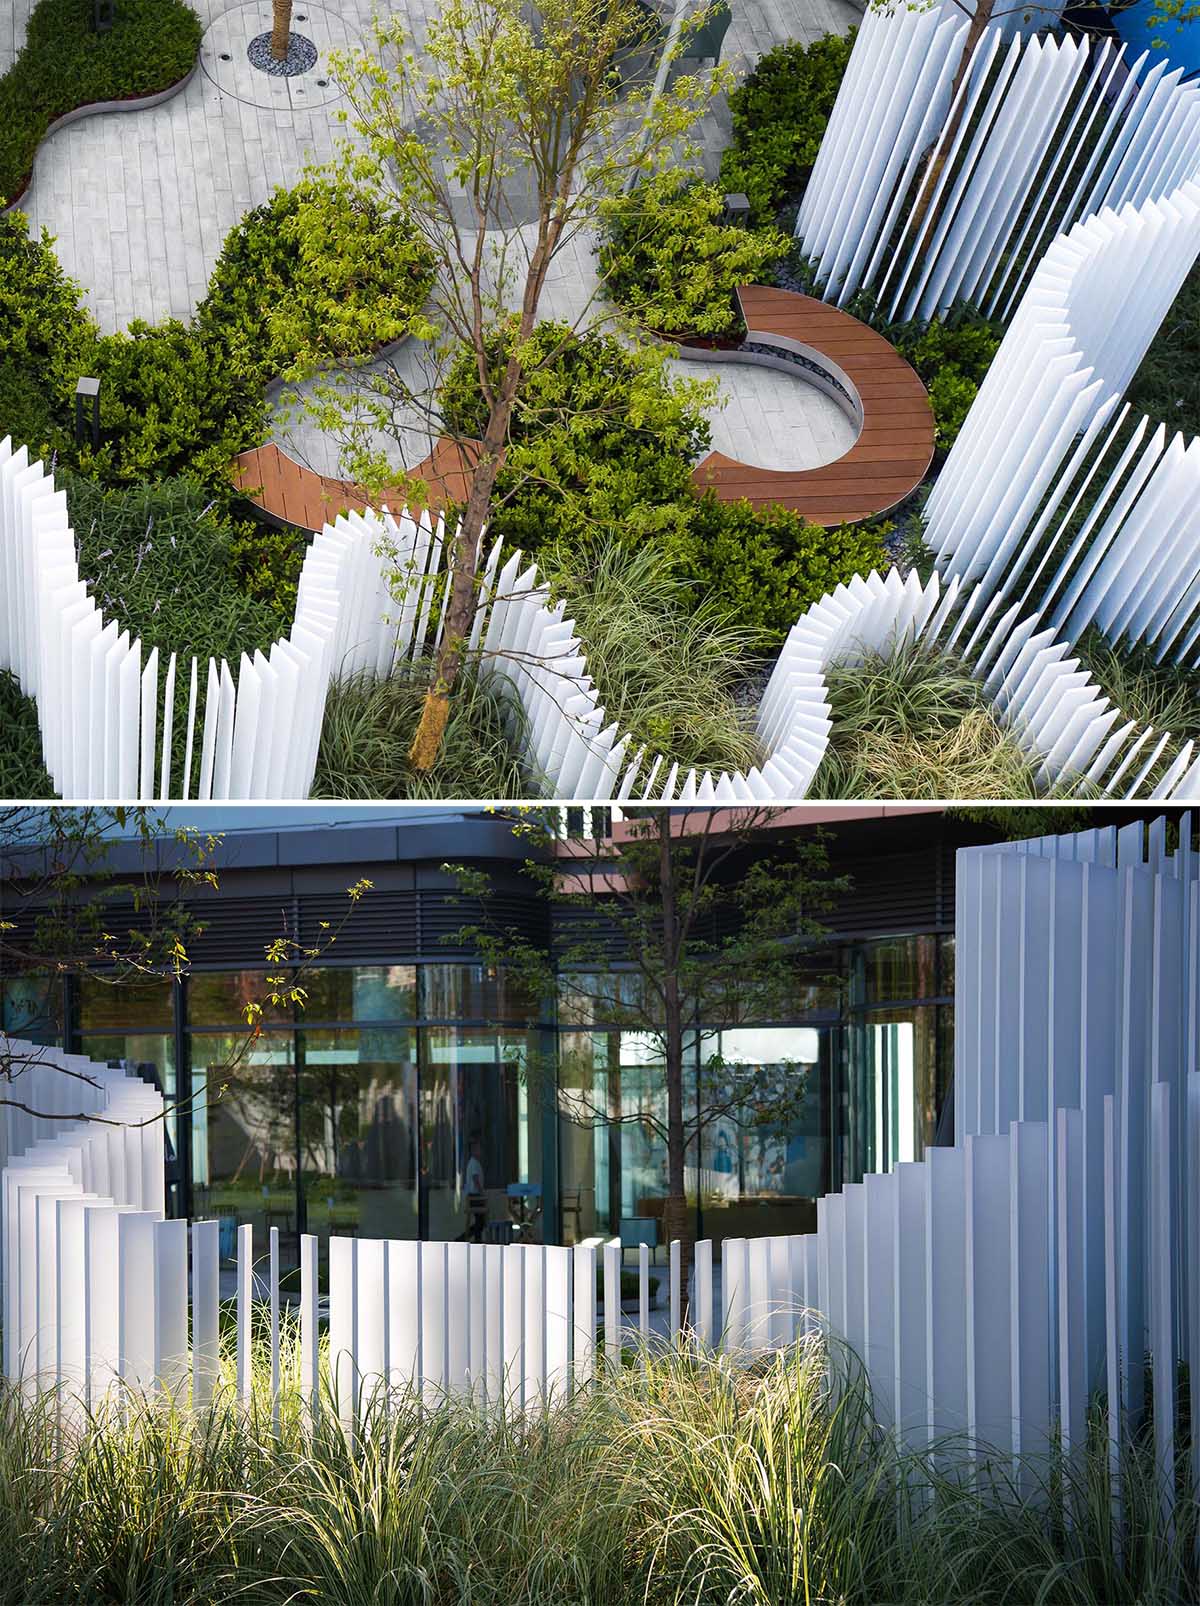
(87, 410)
(737, 209)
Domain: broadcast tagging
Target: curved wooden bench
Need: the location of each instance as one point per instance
(288, 493)
(869, 380)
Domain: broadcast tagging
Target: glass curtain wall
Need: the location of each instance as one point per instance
(373, 1110)
(414, 1101)
(899, 1050)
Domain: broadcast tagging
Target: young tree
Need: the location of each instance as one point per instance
(500, 137)
(687, 920)
(281, 28)
(74, 906)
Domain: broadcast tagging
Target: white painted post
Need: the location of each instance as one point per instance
(1162, 1312)
(644, 1300)
(612, 1304)
(343, 1328)
(1072, 1377)
(558, 1331)
(404, 1316)
(584, 1315)
(206, 1356)
(1113, 1358)
(514, 1327)
(245, 1306)
(170, 1308)
(702, 1306)
(275, 1389)
(310, 1351)
(676, 1291)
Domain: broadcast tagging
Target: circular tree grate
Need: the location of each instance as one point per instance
(301, 56)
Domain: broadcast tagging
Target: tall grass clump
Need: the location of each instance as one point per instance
(676, 1478)
(369, 727)
(912, 722)
(667, 665)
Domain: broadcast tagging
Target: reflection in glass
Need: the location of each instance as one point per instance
(361, 993)
(612, 1123)
(243, 1135)
(32, 1007)
(114, 1004)
(220, 998)
(899, 1096)
(473, 992)
(765, 1161)
(358, 1104)
(481, 1137)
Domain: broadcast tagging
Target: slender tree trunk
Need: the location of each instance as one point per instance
(460, 612)
(979, 21)
(678, 1221)
(281, 27)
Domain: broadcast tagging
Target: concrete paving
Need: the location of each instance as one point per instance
(140, 202)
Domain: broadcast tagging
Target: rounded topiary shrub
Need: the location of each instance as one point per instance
(670, 261)
(602, 439)
(768, 564)
(319, 273)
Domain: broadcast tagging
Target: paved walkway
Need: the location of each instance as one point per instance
(140, 203)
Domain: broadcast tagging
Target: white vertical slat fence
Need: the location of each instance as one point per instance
(992, 1289)
(926, 201)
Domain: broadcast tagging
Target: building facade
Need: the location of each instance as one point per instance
(416, 1094)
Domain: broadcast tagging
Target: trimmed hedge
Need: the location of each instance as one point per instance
(318, 273)
(779, 114)
(603, 438)
(669, 261)
(766, 565)
(314, 275)
(151, 45)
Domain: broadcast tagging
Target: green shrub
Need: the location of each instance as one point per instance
(22, 773)
(602, 440)
(44, 334)
(669, 261)
(603, 444)
(171, 403)
(779, 115)
(319, 272)
(952, 359)
(65, 63)
(767, 564)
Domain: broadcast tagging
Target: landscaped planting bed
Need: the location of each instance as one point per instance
(66, 65)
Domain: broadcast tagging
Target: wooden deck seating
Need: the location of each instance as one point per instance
(289, 493)
(825, 346)
(895, 445)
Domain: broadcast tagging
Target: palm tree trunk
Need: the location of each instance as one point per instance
(281, 28)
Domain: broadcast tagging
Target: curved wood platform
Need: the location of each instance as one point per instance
(868, 378)
(822, 345)
(288, 493)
